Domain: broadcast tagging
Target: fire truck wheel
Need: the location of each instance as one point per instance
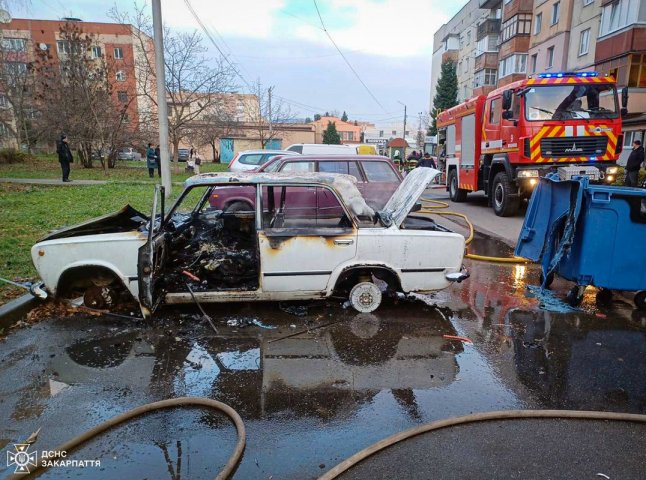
(456, 193)
(504, 205)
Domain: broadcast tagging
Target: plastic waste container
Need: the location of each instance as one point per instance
(587, 234)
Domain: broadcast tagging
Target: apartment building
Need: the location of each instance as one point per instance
(550, 40)
(456, 41)
(118, 44)
(584, 31)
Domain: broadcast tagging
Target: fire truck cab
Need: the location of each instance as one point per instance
(501, 143)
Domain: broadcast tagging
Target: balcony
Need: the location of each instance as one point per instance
(490, 3)
(486, 60)
(489, 26)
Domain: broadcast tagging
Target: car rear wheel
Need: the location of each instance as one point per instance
(456, 193)
(504, 204)
(365, 297)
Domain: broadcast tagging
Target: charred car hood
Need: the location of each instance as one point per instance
(406, 196)
(124, 220)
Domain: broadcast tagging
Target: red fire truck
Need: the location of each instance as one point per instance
(501, 143)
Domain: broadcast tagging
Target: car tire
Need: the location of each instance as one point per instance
(238, 207)
(365, 297)
(456, 194)
(504, 205)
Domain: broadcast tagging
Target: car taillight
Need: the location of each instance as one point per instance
(620, 144)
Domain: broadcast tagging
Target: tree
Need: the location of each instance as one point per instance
(446, 94)
(330, 135)
(212, 128)
(270, 116)
(17, 81)
(308, 120)
(317, 116)
(344, 117)
(194, 82)
(75, 96)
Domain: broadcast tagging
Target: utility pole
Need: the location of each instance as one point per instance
(404, 132)
(162, 107)
(269, 115)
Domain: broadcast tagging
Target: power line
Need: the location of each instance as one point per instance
(344, 58)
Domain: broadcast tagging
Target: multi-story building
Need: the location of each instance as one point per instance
(485, 73)
(550, 39)
(584, 31)
(456, 41)
(119, 44)
(621, 51)
(349, 132)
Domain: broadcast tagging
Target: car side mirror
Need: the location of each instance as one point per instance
(506, 100)
(624, 99)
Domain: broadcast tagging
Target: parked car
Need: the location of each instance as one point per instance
(128, 153)
(252, 159)
(275, 251)
(322, 149)
(377, 176)
(183, 154)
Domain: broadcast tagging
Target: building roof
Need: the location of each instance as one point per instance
(397, 143)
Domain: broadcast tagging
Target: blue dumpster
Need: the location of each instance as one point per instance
(587, 234)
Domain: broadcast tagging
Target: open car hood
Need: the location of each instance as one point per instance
(406, 196)
(124, 220)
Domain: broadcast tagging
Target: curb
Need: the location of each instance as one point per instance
(12, 311)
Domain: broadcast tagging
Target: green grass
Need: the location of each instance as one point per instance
(30, 211)
(47, 166)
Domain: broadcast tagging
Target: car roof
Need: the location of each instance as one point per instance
(337, 158)
(245, 152)
(344, 185)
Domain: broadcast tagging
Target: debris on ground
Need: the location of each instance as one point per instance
(246, 322)
(296, 310)
(457, 337)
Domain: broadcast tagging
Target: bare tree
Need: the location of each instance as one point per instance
(75, 96)
(269, 116)
(17, 109)
(194, 82)
(212, 128)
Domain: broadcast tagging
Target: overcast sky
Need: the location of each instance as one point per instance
(388, 42)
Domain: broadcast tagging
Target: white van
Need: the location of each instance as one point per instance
(322, 149)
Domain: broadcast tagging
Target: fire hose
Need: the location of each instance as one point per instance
(435, 208)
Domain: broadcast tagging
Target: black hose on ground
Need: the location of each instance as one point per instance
(225, 473)
(476, 417)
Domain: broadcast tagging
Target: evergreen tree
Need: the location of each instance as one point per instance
(317, 116)
(344, 117)
(308, 120)
(446, 94)
(330, 135)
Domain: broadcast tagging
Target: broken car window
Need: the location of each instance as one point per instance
(379, 172)
(298, 167)
(347, 168)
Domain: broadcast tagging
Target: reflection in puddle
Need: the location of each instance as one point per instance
(248, 360)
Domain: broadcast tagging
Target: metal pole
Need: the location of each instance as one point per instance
(269, 115)
(404, 133)
(162, 107)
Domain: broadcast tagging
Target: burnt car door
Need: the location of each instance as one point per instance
(299, 250)
(152, 256)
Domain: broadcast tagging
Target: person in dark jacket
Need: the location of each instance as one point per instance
(634, 163)
(427, 161)
(64, 156)
(151, 160)
(158, 157)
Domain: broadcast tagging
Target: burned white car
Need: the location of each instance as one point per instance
(289, 237)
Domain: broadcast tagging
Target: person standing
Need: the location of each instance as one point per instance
(634, 163)
(198, 162)
(64, 157)
(151, 160)
(158, 158)
(427, 161)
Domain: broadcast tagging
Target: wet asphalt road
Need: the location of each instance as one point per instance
(311, 400)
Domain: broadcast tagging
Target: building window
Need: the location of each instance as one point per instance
(14, 44)
(516, 63)
(121, 76)
(3, 130)
(618, 14)
(15, 68)
(3, 101)
(487, 44)
(122, 96)
(538, 23)
(96, 52)
(556, 13)
(587, 2)
(487, 76)
(534, 61)
(394, 132)
(584, 42)
(469, 37)
(637, 75)
(381, 133)
(550, 57)
(118, 53)
(520, 24)
(494, 111)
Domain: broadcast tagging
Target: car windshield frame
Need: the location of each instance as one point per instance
(570, 102)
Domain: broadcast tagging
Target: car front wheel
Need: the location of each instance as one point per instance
(365, 297)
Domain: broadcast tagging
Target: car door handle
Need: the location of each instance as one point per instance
(343, 242)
